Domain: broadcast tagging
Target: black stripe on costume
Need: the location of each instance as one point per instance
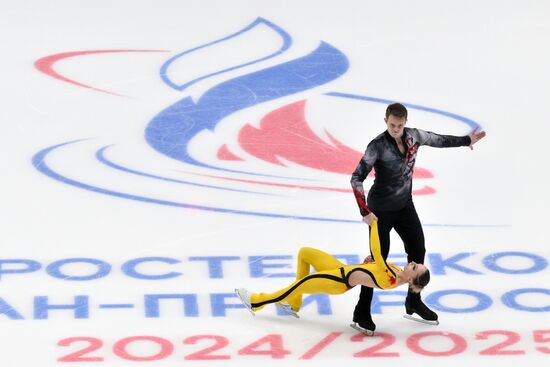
(389, 268)
(304, 279)
(380, 249)
(343, 274)
(365, 271)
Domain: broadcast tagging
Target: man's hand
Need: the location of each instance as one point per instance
(475, 137)
(369, 218)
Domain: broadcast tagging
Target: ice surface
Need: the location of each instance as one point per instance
(115, 252)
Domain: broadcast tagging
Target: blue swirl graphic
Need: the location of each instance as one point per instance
(471, 123)
(39, 162)
(100, 155)
(171, 131)
(287, 42)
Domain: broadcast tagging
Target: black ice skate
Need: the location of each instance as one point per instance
(413, 304)
(366, 327)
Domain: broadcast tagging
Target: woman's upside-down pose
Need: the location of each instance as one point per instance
(334, 277)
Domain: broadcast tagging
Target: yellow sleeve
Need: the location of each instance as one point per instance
(376, 251)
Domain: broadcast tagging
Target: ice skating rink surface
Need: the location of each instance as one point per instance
(158, 154)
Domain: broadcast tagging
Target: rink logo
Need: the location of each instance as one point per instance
(278, 156)
(160, 268)
(218, 304)
(184, 304)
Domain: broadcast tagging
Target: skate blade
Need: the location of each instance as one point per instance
(287, 309)
(362, 330)
(246, 305)
(418, 319)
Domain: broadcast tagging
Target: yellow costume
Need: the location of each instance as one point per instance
(331, 276)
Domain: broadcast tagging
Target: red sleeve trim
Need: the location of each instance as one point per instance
(360, 197)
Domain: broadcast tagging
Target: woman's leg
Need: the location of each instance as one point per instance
(326, 282)
(320, 260)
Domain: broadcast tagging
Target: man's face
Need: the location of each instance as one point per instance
(395, 126)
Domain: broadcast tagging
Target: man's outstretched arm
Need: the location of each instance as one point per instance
(447, 141)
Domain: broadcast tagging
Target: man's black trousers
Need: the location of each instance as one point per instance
(407, 225)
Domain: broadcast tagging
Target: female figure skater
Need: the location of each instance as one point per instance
(334, 277)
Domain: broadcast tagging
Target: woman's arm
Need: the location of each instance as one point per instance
(376, 251)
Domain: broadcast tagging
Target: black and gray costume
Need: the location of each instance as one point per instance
(390, 197)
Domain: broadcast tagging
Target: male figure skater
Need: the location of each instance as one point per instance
(392, 154)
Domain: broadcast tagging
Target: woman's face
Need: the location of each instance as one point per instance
(412, 269)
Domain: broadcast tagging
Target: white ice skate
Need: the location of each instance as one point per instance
(244, 296)
(285, 307)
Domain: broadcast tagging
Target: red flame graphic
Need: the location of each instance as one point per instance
(285, 133)
(225, 154)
